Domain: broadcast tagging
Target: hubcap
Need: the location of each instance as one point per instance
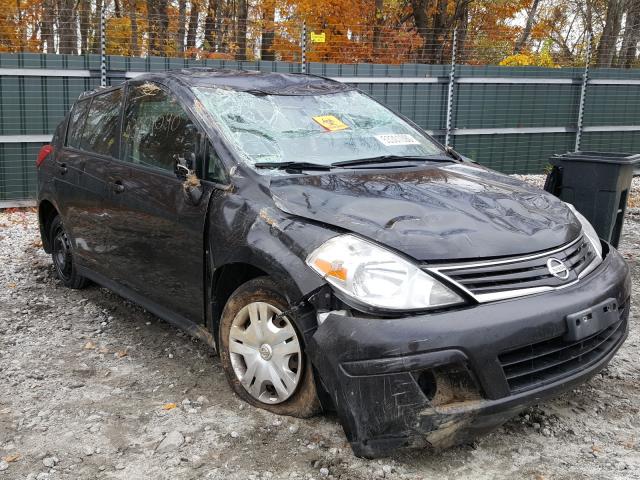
(265, 353)
(62, 254)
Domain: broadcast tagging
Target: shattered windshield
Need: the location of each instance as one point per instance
(320, 129)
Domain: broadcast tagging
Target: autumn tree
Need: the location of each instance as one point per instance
(510, 32)
(610, 32)
(628, 50)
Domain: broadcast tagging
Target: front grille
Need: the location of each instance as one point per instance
(545, 362)
(523, 273)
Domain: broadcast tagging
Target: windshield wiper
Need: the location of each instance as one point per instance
(393, 158)
(298, 166)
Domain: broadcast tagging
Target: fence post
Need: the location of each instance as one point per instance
(103, 48)
(583, 96)
(303, 44)
(452, 80)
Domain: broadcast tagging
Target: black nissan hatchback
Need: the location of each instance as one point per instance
(335, 255)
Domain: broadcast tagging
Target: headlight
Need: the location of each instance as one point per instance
(377, 277)
(588, 230)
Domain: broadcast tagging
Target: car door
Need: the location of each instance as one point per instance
(92, 142)
(68, 164)
(157, 228)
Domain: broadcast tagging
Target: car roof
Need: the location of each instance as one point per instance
(269, 83)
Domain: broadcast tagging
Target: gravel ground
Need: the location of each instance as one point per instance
(93, 386)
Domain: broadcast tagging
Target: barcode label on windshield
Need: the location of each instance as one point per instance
(396, 139)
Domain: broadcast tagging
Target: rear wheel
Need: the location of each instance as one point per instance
(262, 352)
(62, 255)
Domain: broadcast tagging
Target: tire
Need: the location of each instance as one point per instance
(282, 358)
(62, 256)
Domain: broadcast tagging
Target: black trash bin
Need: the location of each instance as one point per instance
(597, 184)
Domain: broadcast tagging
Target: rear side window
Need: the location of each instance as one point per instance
(100, 133)
(76, 122)
(156, 129)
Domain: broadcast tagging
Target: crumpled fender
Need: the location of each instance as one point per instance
(266, 238)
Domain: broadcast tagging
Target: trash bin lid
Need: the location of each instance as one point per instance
(601, 157)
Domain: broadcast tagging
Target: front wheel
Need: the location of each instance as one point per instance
(262, 352)
(62, 255)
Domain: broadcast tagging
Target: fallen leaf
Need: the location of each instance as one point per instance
(594, 448)
(103, 350)
(11, 458)
(169, 406)
(11, 285)
(89, 345)
(120, 354)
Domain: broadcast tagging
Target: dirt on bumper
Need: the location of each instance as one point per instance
(436, 380)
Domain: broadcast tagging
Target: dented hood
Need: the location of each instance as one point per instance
(440, 212)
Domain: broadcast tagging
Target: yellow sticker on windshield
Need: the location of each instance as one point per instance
(330, 122)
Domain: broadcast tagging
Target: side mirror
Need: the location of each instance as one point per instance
(183, 169)
(183, 166)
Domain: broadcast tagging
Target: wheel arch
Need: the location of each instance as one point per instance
(295, 281)
(47, 211)
(223, 282)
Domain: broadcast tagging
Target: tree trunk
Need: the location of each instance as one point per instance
(241, 30)
(607, 46)
(420, 19)
(589, 18)
(268, 33)
(210, 40)
(378, 23)
(48, 16)
(182, 19)
(441, 27)
(163, 12)
(631, 37)
(67, 27)
(85, 25)
(462, 15)
(133, 17)
(524, 37)
(152, 27)
(193, 25)
(223, 33)
(95, 44)
(20, 29)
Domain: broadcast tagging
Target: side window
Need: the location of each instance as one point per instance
(156, 129)
(100, 133)
(215, 169)
(76, 123)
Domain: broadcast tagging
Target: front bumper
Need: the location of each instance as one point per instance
(374, 368)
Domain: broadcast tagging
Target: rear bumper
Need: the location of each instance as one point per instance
(374, 368)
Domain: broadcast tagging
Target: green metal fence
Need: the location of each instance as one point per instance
(508, 118)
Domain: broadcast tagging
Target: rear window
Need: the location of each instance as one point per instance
(76, 122)
(100, 133)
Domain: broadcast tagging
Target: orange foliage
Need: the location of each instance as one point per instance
(353, 30)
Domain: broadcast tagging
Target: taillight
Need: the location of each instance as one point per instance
(44, 153)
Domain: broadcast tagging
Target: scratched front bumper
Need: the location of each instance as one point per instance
(369, 366)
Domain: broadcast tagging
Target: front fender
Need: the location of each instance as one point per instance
(47, 206)
(266, 238)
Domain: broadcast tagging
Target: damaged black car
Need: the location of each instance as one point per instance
(335, 255)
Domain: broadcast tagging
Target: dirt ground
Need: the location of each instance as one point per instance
(92, 386)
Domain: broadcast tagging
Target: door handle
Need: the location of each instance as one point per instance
(62, 167)
(118, 187)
